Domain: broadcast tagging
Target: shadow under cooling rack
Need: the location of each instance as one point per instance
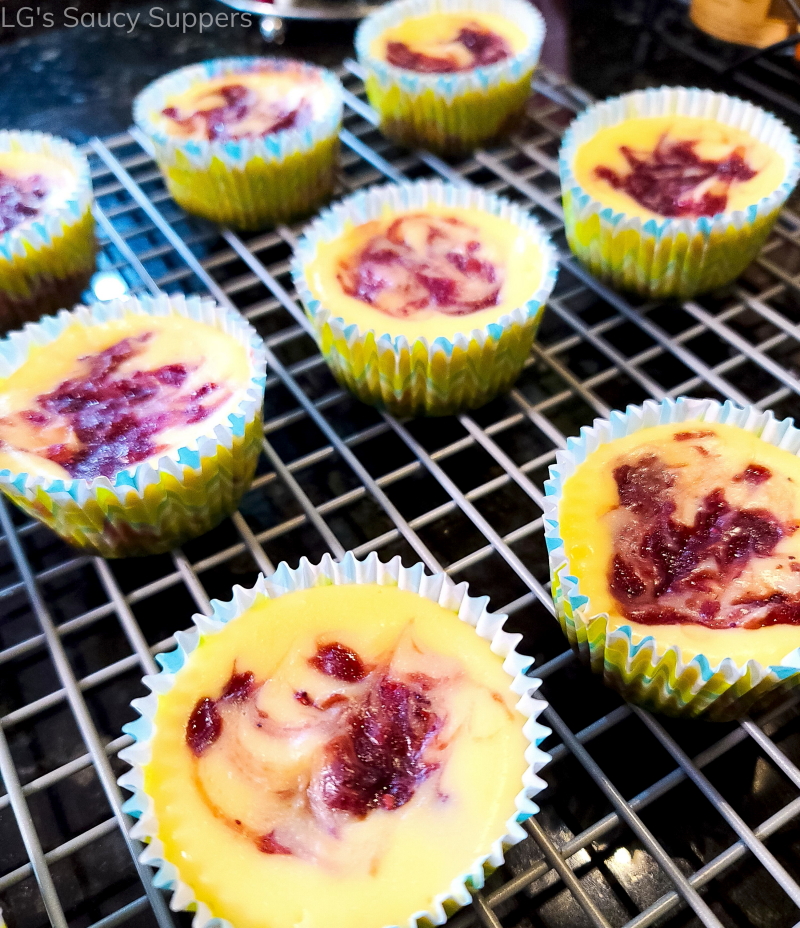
(644, 821)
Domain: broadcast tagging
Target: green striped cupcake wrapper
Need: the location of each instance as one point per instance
(438, 588)
(147, 509)
(420, 377)
(247, 183)
(450, 113)
(671, 257)
(56, 251)
(661, 677)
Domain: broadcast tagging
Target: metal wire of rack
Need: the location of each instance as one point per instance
(645, 821)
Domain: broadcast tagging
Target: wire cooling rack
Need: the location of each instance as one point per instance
(645, 821)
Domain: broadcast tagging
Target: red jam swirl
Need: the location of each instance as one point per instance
(484, 46)
(116, 417)
(222, 123)
(420, 263)
(674, 181)
(336, 660)
(380, 729)
(21, 198)
(665, 572)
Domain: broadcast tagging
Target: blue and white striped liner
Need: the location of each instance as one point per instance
(438, 588)
(573, 605)
(15, 347)
(272, 148)
(376, 202)
(523, 14)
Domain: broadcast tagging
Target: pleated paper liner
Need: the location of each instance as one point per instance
(671, 257)
(451, 114)
(420, 377)
(46, 263)
(646, 669)
(249, 183)
(438, 588)
(149, 508)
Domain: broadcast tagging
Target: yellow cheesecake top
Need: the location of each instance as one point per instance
(676, 166)
(448, 42)
(689, 532)
(100, 398)
(31, 185)
(247, 105)
(334, 758)
(426, 273)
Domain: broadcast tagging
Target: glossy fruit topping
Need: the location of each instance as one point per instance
(423, 262)
(107, 419)
(21, 198)
(674, 181)
(269, 844)
(204, 726)
(372, 745)
(754, 473)
(719, 570)
(484, 47)
(377, 762)
(238, 112)
(335, 660)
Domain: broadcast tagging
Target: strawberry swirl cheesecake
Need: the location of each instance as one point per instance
(47, 244)
(359, 737)
(686, 535)
(677, 166)
(672, 191)
(447, 43)
(132, 409)
(100, 399)
(245, 141)
(450, 76)
(247, 106)
(426, 279)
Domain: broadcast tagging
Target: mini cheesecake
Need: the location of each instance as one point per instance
(47, 243)
(676, 167)
(334, 758)
(450, 78)
(689, 532)
(672, 191)
(245, 142)
(427, 273)
(448, 42)
(250, 105)
(31, 186)
(102, 398)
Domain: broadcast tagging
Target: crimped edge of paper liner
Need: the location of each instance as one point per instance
(682, 101)
(780, 433)
(14, 349)
(372, 203)
(482, 79)
(272, 148)
(437, 588)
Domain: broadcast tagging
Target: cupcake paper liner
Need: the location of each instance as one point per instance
(147, 509)
(671, 257)
(663, 678)
(438, 588)
(451, 114)
(249, 183)
(46, 264)
(420, 377)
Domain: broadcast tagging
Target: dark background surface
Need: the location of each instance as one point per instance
(80, 81)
